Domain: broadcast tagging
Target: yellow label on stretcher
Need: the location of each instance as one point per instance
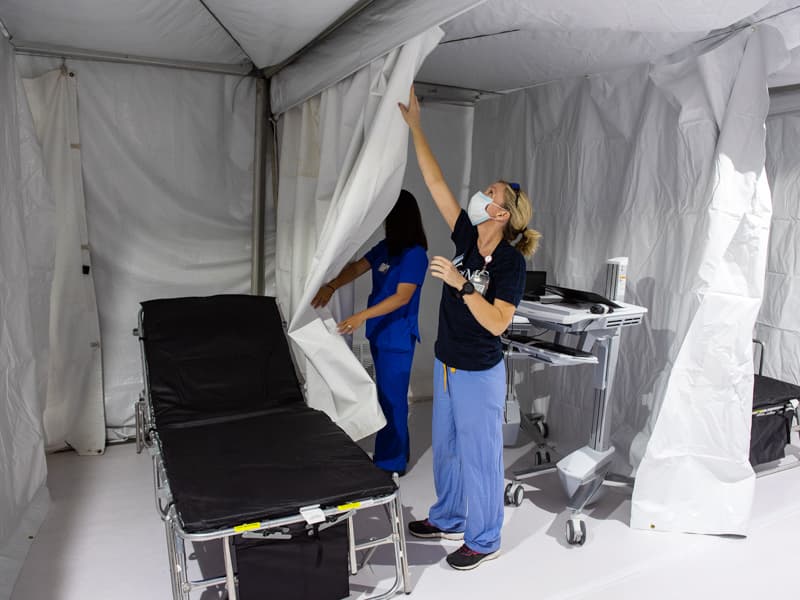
(349, 506)
(246, 527)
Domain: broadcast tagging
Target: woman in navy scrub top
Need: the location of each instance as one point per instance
(398, 265)
(483, 284)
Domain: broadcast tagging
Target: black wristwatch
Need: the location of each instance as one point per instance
(466, 289)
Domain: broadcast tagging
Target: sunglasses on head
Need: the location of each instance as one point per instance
(515, 187)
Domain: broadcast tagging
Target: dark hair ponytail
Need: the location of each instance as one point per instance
(404, 225)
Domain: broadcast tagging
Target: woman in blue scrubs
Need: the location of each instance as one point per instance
(483, 284)
(398, 265)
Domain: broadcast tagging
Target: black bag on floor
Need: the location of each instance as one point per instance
(312, 565)
(769, 435)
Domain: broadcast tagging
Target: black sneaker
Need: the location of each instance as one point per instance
(425, 529)
(465, 558)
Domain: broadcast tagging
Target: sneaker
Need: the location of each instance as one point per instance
(465, 558)
(425, 529)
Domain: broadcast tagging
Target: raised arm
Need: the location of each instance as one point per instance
(431, 172)
(348, 274)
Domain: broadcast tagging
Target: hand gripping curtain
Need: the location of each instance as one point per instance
(342, 160)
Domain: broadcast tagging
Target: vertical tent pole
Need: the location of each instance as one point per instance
(259, 190)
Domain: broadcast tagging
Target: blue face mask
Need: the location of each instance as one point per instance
(476, 209)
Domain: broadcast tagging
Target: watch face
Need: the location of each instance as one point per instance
(468, 288)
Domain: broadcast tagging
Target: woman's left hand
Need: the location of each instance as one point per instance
(350, 324)
(443, 269)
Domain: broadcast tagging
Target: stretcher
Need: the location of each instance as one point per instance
(236, 450)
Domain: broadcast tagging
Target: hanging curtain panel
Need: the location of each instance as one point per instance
(74, 413)
(342, 160)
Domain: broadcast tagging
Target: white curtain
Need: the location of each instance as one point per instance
(167, 170)
(664, 164)
(342, 159)
(779, 319)
(23, 495)
(74, 413)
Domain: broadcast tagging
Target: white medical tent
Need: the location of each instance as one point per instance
(192, 147)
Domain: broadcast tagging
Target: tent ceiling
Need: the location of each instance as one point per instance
(271, 31)
(167, 29)
(508, 44)
(500, 45)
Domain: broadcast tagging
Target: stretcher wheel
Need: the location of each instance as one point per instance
(537, 458)
(518, 494)
(544, 430)
(576, 532)
(507, 497)
(547, 458)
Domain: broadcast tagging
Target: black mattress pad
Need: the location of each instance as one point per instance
(265, 466)
(238, 441)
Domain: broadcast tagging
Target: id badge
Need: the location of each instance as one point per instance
(480, 280)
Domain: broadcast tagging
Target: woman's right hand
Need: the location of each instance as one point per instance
(411, 112)
(323, 296)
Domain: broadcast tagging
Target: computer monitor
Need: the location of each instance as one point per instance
(579, 296)
(535, 283)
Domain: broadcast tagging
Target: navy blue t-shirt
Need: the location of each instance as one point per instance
(398, 330)
(463, 343)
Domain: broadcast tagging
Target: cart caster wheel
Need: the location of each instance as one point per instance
(537, 458)
(576, 532)
(544, 430)
(518, 494)
(547, 457)
(508, 498)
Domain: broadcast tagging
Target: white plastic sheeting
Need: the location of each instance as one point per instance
(167, 158)
(779, 319)
(663, 164)
(384, 26)
(342, 159)
(22, 464)
(73, 413)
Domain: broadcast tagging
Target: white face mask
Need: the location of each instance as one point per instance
(476, 209)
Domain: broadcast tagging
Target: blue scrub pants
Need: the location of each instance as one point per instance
(392, 374)
(468, 453)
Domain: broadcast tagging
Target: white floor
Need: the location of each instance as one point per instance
(104, 540)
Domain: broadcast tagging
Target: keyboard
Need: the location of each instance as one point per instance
(569, 351)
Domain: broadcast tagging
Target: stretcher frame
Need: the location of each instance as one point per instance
(176, 536)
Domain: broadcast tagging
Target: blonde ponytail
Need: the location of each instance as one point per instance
(519, 207)
(529, 242)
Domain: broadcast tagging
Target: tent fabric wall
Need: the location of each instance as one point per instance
(73, 414)
(779, 319)
(663, 164)
(342, 159)
(23, 495)
(167, 168)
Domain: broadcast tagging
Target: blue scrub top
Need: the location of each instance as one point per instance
(399, 329)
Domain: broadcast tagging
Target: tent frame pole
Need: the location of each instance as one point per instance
(259, 188)
(34, 49)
